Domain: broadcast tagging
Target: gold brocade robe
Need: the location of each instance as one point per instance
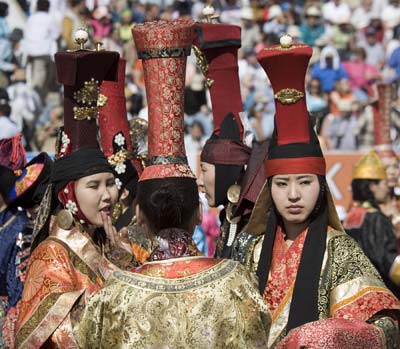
(350, 287)
(187, 302)
(63, 271)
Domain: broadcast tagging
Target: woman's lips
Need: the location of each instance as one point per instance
(295, 209)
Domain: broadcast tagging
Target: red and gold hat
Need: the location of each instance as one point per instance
(163, 47)
(81, 73)
(382, 109)
(294, 147)
(216, 47)
(114, 128)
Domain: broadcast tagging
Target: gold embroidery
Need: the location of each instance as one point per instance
(102, 101)
(289, 96)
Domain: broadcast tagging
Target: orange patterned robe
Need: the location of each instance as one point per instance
(63, 272)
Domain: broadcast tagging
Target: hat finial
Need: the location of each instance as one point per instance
(286, 41)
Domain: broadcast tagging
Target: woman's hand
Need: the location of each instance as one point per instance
(117, 239)
(334, 333)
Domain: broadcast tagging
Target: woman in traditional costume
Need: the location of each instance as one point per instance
(68, 265)
(232, 164)
(177, 298)
(322, 290)
(368, 225)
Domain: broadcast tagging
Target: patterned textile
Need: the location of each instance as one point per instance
(12, 223)
(350, 287)
(190, 302)
(174, 243)
(164, 77)
(334, 333)
(373, 232)
(66, 266)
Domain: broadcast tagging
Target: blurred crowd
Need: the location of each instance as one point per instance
(356, 44)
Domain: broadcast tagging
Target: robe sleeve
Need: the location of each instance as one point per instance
(49, 295)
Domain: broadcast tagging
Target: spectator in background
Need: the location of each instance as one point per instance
(4, 27)
(8, 128)
(101, 23)
(39, 47)
(335, 9)
(231, 12)
(250, 31)
(312, 29)
(194, 142)
(342, 129)
(375, 52)
(361, 74)
(390, 17)
(73, 19)
(7, 64)
(25, 105)
(329, 69)
(343, 37)
(317, 101)
(276, 24)
(365, 129)
(363, 14)
(341, 98)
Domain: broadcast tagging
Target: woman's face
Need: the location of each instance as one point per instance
(380, 191)
(295, 196)
(392, 170)
(95, 194)
(206, 182)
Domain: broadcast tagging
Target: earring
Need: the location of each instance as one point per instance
(65, 219)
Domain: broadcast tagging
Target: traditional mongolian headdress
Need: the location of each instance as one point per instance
(294, 149)
(216, 47)
(81, 72)
(31, 182)
(369, 166)
(114, 130)
(163, 47)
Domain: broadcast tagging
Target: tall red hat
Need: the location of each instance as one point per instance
(163, 47)
(294, 147)
(382, 110)
(114, 128)
(219, 44)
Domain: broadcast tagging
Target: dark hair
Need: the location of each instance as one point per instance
(43, 5)
(5, 110)
(360, 51)
(362, 192)
(3, 9)
(168, 202)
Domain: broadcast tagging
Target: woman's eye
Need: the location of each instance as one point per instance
(305, 182)
(280, 184)
(93, 187)
(111, 183)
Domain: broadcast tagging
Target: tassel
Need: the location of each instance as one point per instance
(18, 150)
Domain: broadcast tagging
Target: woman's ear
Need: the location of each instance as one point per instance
(124, 194)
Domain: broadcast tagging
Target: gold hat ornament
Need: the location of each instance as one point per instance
(369, 166)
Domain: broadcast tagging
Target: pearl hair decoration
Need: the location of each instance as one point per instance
(286, 41)
(208, 11)
(81, 37)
